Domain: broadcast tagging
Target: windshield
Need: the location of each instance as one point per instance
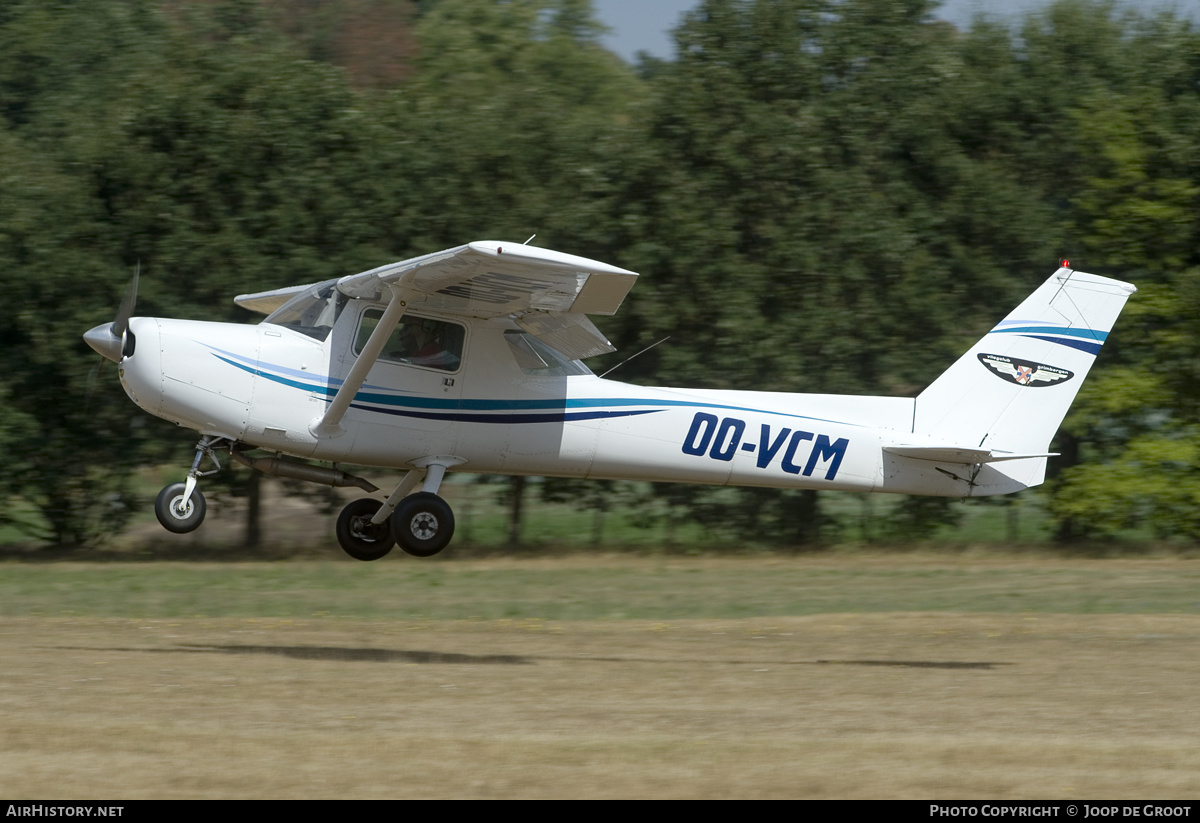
(312, 312)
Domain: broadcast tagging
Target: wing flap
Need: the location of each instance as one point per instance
(572, 335)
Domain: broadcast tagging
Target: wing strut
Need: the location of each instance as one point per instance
(330, 424)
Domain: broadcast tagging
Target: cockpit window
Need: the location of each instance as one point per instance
(537, 359)
(312, 312)
(416, 341)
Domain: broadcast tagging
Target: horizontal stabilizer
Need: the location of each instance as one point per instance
(959, 454)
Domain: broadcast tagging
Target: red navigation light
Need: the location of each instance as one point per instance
(1066, 264)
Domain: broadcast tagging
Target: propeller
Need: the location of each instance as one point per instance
(113, 340)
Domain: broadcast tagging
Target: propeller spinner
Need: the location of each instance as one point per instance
(113, 340)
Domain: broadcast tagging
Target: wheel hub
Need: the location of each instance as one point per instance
(424, 526)
(364, 529)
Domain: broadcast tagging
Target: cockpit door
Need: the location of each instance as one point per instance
(417, 380)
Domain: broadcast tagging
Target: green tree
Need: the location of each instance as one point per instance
(67, 450)
(204, 148)
(514, 119)
(1140, 415)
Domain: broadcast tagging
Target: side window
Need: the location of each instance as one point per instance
(416, 341)
(537, 359)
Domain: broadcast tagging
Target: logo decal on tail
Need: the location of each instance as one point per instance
(1024, 372)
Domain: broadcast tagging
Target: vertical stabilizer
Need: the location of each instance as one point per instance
(1010, 392)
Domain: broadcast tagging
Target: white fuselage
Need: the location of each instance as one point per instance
(267, 385)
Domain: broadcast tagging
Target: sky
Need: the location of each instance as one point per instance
(645, 25)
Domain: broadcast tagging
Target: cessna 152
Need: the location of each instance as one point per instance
(469, 360)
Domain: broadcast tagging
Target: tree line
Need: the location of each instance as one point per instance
(821, 196)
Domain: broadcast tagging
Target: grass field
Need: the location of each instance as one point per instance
(292, 524)
(912, 676)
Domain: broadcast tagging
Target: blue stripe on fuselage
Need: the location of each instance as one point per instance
(539, 417)
(553, 409)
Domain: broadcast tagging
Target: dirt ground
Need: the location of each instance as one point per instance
(841, 706)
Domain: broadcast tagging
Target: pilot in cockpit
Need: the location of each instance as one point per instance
(419, 342)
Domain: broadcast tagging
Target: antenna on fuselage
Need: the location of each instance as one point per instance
(526, 243)
(630, 357)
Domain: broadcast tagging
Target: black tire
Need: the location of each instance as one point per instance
(422, 524)
(166, 509)
(357, 536)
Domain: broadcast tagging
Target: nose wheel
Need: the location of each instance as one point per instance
(178, 511)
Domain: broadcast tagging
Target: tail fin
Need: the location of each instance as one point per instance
(1009, 393)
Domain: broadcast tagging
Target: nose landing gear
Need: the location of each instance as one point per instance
(180, 507)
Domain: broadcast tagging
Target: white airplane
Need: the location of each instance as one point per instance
(469, 360)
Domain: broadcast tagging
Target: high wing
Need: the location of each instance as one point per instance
(490, 278)
(547, 293)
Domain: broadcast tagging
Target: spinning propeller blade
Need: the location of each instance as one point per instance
(111, 340)
(121, 324)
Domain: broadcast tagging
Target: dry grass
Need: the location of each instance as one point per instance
(897, 705)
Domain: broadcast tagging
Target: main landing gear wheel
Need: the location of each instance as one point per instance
(422, 524)
(360, 538)
(174, 516)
